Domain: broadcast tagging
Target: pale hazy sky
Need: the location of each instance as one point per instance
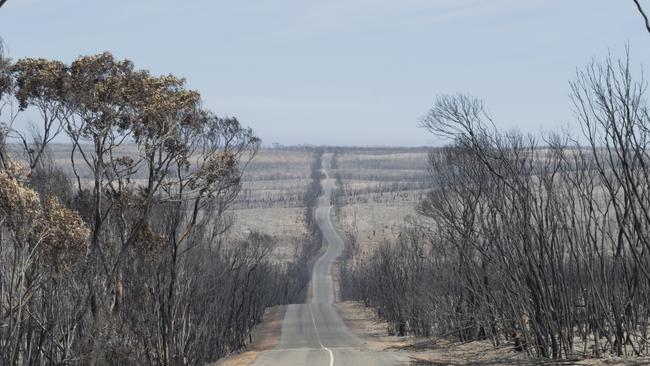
(344, 72)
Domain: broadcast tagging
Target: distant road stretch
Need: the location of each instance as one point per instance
(314, 334)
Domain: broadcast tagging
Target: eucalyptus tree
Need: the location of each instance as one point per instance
(41, 84)
(6, 98)
(132, 266)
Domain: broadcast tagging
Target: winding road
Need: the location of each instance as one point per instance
(314, 334)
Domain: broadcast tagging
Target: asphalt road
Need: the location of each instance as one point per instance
(314, 334)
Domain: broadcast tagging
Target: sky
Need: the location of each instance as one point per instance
(345, 72)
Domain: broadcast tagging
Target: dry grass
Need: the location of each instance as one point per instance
(270, 201)
(275, 178)
(285, 225)
(381, 188)
(374, 223)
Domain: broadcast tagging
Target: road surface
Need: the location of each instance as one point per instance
(314, 334)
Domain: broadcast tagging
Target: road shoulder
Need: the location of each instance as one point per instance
(422, 351)
(266, 337)
(431, 351)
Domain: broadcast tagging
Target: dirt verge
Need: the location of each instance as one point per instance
(266, 336)
(439, 352)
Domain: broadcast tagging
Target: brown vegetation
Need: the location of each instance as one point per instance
(121, 258)
(378, 189)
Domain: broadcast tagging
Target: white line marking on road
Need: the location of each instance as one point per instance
(313, 320)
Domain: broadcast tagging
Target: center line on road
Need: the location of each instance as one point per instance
(313, 320)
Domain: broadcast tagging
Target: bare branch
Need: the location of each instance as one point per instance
(643, 14)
